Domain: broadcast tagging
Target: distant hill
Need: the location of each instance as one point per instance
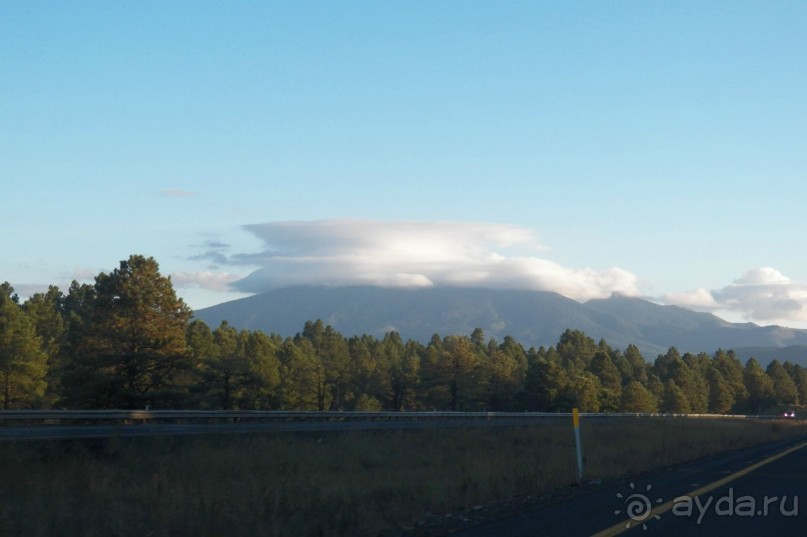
(534, 318)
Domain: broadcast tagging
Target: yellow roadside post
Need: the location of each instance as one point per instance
(576, 423)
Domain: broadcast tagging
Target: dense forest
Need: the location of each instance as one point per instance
(127, 341)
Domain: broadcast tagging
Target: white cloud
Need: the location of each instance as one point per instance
(760, 294)
(699, 299)
(762, 276)
(212, 281)
(417, 254)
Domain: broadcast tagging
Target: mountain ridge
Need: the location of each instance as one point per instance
(534, 318)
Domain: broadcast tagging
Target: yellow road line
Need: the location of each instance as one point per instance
(625, 525)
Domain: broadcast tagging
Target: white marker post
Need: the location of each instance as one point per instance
(576, 423)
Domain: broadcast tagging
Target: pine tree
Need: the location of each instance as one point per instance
(302, 376)
(452, 374)
(603, 367)
(46, 312)
(785, 391)
(799, 376)
(128, 340)
(401, 370)
(759, 386)
(503, 380)
(674, 400)
(263, 370)
(721, 396)
(637, 398)
(367, 371)
(545, 381)
(575, 349)
(582, 391)
(224, 369)
(23, 363)
(638, 364)
(732, 370)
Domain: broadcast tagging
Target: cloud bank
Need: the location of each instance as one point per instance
(212, 281)
(416, 254)
(760, 294)
(470, 254)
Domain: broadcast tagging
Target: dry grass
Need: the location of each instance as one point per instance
(357, 483)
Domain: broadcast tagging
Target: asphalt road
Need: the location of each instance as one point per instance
(769, 500)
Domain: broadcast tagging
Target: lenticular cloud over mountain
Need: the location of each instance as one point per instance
(417, 254)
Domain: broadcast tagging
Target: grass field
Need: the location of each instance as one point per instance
(357, 483)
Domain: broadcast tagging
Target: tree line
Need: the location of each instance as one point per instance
(127, 341)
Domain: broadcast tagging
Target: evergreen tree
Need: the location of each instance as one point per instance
(674, 400)
(332, 351)
(335, 357)
(785, 391)
(732, 370)
(575, 350)
(637, 398)
(686, 373)
(516, 351)
(699, 364)
(23, 363)
(368, 372)
(263, 371)
(603, 367)
(623, 366)
(462, 367)
(721, 396)
(452, 375)
(402, 373)
(478, 338)
(799, 376)
(202, 351)
(302, 376)
(582, 391)
(128, 344)
(663, 367)
(545, 381)
(759, 386)
(639, 365)
(655, 386)
(45, 310)
(504, 380)
(225, 372)
(673, 367)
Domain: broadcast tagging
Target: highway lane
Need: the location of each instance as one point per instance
(771, 500)
(597, 508)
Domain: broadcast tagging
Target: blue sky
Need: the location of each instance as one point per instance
(654, 149)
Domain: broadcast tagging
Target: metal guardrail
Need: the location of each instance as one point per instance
(61, 417)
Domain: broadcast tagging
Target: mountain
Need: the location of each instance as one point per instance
(644, 322)
(533, 318)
